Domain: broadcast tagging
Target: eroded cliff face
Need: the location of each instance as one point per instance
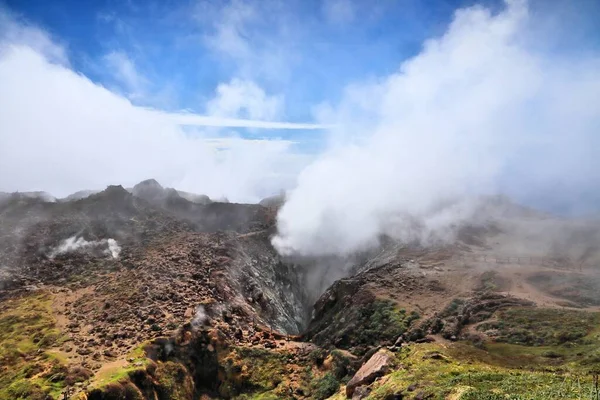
(271, 286)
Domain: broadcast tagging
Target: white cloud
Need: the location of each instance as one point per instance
(20, 33)
(261, 41)
(259, 37)
(339, 11)
(61, 132)
(188, 119)
(231, 29)
(244, 99)
(125, 72)
(476, 108)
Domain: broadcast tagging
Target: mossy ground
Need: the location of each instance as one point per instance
(252, 373)
(143, 379)
(491, 281)
(543, 365)
(260, 373)
(364, 325)
(542, 327)
(553, 354)
(136, 360)
(31, 366)
(433, 371)
(28, 370)
(549, 339)
(534, 354)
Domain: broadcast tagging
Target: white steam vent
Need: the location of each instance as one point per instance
(74, 244)
(200, 317)
(113, 248)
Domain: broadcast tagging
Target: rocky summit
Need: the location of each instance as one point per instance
(154, 293)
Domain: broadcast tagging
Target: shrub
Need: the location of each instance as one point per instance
(317, 356)
(325, 387)
(23, 389)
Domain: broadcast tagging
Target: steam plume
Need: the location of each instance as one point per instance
(113, 248)
(74, 244)
(199, 317)
(480, 110)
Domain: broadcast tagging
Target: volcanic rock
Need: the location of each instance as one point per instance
(378, 365)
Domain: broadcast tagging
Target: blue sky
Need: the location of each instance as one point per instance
(320, 48)
(307, 51)
(314, 51)
(173, 55)
(364, 70)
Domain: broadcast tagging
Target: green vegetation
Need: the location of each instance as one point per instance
(254, 373)
(437, 373)
(578, 289)
(491, 281)
(534, 354)
(317, 356)
(542, 354)
(121, 373)
(378, 322)
(27, 330)
(453, 307)
(117, 390)
(325, 387)
(552, 339)
(562, 341)
(341, 366)
(174, 381)
(254, 370)
(541, 327)
(381, 319)
(167, 380)
(31, 367)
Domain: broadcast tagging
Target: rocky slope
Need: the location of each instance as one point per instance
(158, 294)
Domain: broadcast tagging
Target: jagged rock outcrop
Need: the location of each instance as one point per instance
(81, 194)
(195, 198)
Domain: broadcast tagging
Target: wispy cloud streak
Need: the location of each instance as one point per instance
(186, 119)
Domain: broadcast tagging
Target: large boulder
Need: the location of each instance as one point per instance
(378, 365)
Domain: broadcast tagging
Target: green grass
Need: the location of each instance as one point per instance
(325, 386)
(378, 322)
(548, 339)
(540, 354)
(470, 379)
(542, 327)
(490, 281)
(254, 371)
(174, 381)
(171, 380)
(122, 373)
(27, 330)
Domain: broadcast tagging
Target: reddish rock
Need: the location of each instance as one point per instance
(378, 365)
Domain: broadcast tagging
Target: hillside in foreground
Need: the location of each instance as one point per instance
(151, 293)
